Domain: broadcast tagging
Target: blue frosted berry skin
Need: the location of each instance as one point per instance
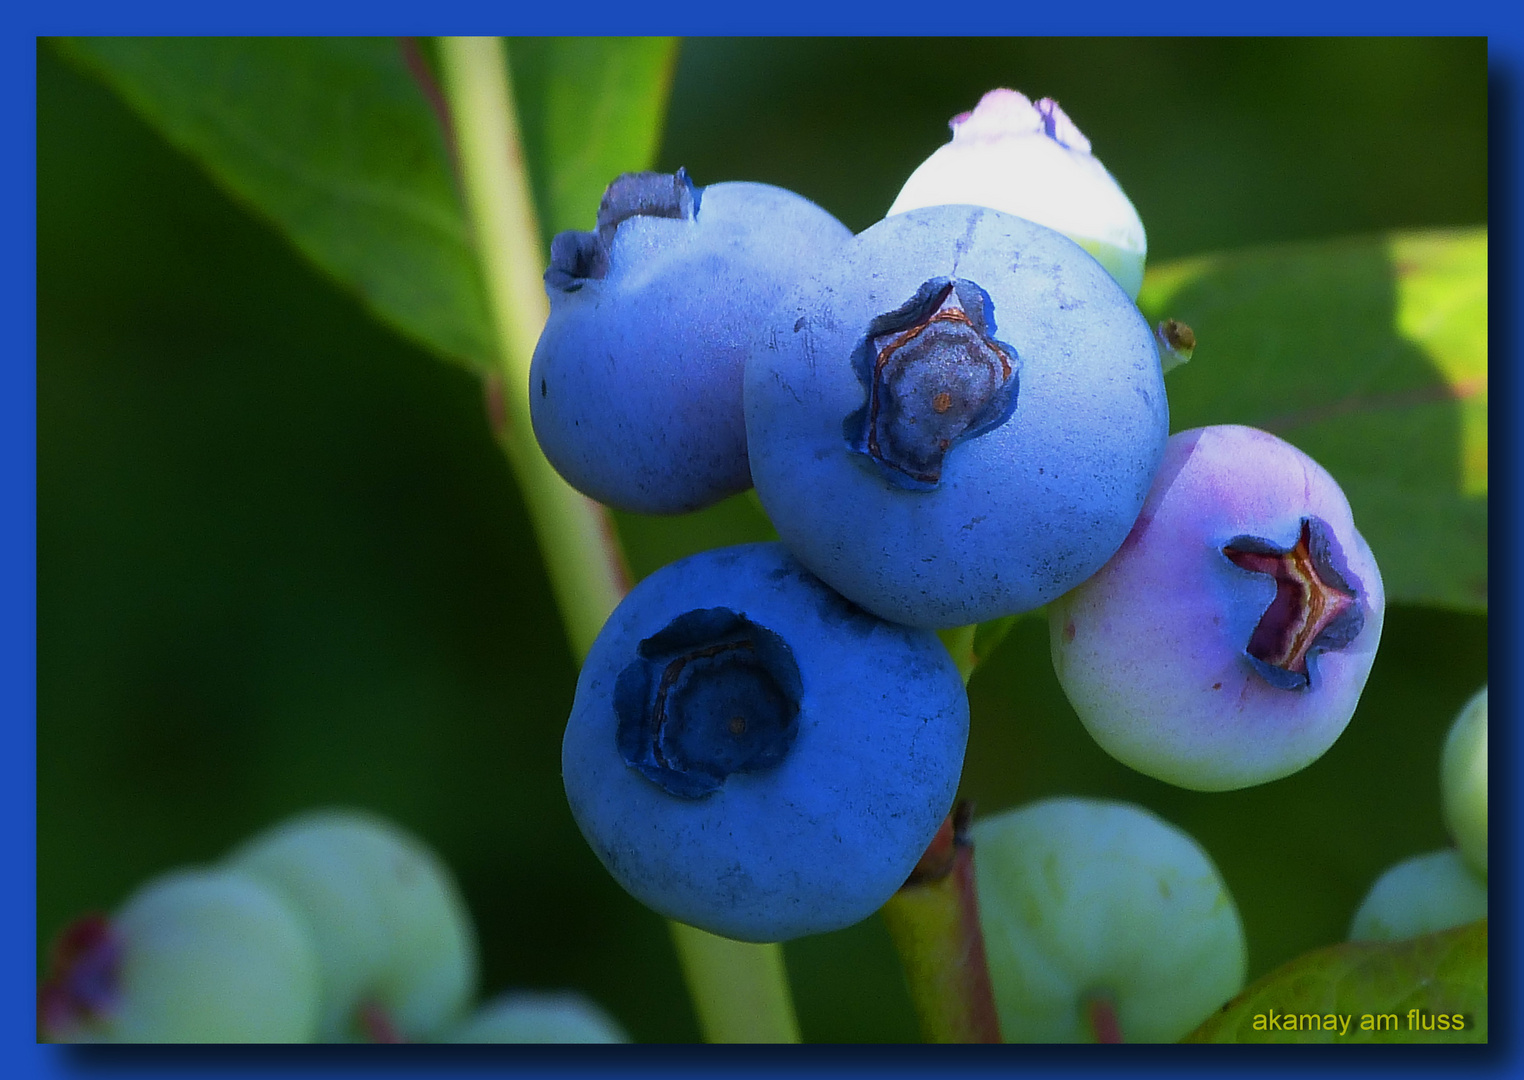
(955, 418)
(635, 385)
(1194, 654)
(846, 763)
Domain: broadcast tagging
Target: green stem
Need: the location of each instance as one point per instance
(934, 922)
(960, 645)
(575, 534)
(739, 990)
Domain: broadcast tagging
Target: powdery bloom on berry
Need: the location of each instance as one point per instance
(1028, 159)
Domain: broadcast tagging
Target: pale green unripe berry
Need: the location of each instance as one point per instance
(1419, 896)
(539, 1017)
(391, 929)
(1027, 158)
(1463, 781)
(208, 957)
(1082, 898)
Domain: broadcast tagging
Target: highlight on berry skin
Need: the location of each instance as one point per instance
(934, 375)
(710, 695)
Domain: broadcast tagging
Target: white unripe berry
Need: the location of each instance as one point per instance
(1027, 158)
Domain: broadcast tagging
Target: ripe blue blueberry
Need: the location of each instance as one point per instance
(754, 755)
(635, 386)
(956, 417)
(1228, 641)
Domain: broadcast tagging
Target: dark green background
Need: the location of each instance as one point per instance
(281, 562)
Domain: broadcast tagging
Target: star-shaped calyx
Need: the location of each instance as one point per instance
(933, 376)
(1316, 608)
(709, 695)
(579, 257)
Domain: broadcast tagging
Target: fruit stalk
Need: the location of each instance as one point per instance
(575, 534)
(934, 921)
(739, 989)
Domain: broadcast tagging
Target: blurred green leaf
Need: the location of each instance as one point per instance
(652, 542)
(990, 634)
(333, 140)
(1370, 355)
(590, 109)
(1374, 984)
(339, 143)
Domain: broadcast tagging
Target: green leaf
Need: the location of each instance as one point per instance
(590, 109)
(651, 542)
(1377, 985)
(335, 143)
(990, 634)
(1370, 355)
(339, 143)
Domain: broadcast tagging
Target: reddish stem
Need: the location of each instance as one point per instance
(377, 1023)
(1101, 1013)
(423, 75)
(934, 920)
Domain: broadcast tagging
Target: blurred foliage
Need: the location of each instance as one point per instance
(342, 144)
(589, 109)
(1220, 143)
(332, 139)
(282, 564)
(1349, 348)
(1368, 983)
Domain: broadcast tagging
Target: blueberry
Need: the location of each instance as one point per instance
(395, 942)
(1029, 159)
(1420, 895)
(196, 955)
(956, 418)
(1463, 781)
(635, 386)
(1101, 918)
(1227, 643)
(754, 755)
(527, 1016)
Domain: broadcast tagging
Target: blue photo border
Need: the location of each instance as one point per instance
(21, 1056)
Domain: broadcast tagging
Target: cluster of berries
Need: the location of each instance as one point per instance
(335, 926)
(955, 416)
